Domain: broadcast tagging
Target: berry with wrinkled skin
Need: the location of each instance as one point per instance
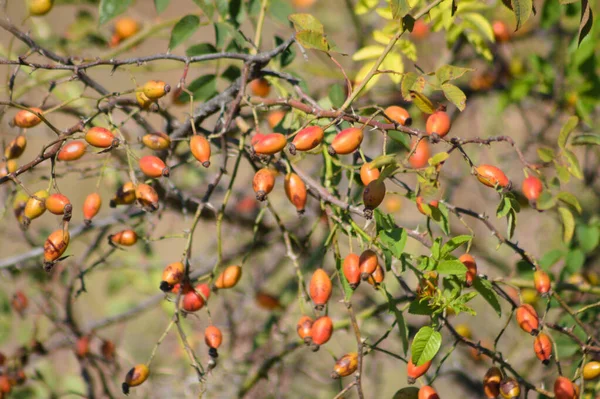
(229, 277)
(200, 148)
(376, 277)
(413, 371)
(501, 31)
(27, 118)
(213, 338)
(471, 266)
(427, 392)
(194, 300)
(91, 207)
(126, 27)
(591, 370)
(263, 182)
(260, 87)
(564, 388)
(126, 238)
(15, 148)
(100, 137)
(432, 204)
(543, 347)
(320, 288)
(136, 376)
(368, 173)
(438, 122)
(399, 115)
(367, 263)
(56, 244)
(125, 195)
(270, 144)
(295, 189)
(40, 7)
(172, 274)
(541, 281)
(155, 89)
(56, 203)
(351, 270)
(19, 203)
(72, 151)
(35, 207)
(532, 188)
(491, 176)
(347, 141)
(510, 389)
(157, 141)
(345, 365)
(491, 382)
(307, 139)
(527, 318)
(321, 331)
(147, 197)
(373, 194)
(152, 166)
(304, 329)
(420, 155)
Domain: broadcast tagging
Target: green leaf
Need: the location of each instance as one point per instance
(511, 223)
(588, 237)
(568, 223)
(394, 240)
(454, 243)
(436, 248)
(479, 24)
(161, 5)
(574, 261)
(450, 72)
(411, 82)
(383, 221)
(586, 139)
(109, 9)
(206, 6)
(183, 30)
(545, 154)
(550, 14)
(420, 308)
(312, 39)
(570, 199)
(406, 393)
(287, 57)
(566, 131)
(303, 22)
(422, 102)
(425, 345)
(203, 88)
(587, 20)
(367, 53)
(521, 8)
(550, 258)
(545, 201)
(402, 326)
(440, 216)
(438, 158)
(336, 95)
(485, 289)
(200, 49)
(231, 73)
(399, 8)
(280, 9)
(574, 167)
(503, 207)
(455, 95)
(454, 267)
(400, 137)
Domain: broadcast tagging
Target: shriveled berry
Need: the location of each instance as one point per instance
(492, 176)
(320, 288)
(367, 263)
(295, 189)
(427, 211)
(229, 277)
(322, 329)
(543, 347)
(427, 392)
(28, 118)
(591, 370)
(541, 281)
(108, 350)
(307, 139)
(35, 207)
(91, 207)
(260, 87)
(100, 137)
(195, 299)
(304, 329)
(527, 318)
(373, 195)
(126, 238)
(152, 166)
(491, 382)
(413, 371)
(19, 203)
(72, 151)
(270, 144)
(172, 274)
(345, 365)
(82, 346)
(368, 173)
(57, 204)
(15, 148)
(40, 7)
(471, 266)
(399, 115)
(155, 89)
(125, 195)
(200, 148)
(377, 276)
(510, 389)
(438, 122)
(347, 141)
(351, 270)
(420, 155)
(275, 117)
(157, 141)
(263, 182)
(564, 388)
(147, 197)
(532, 188)
(19, 302)
(56, 244)
(136, 376)
(126, 27)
